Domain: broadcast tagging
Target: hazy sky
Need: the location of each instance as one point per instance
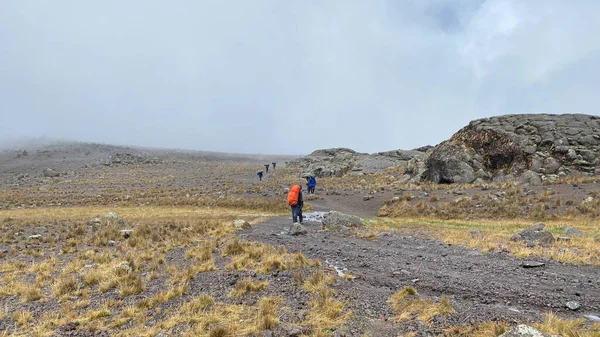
(274, 76)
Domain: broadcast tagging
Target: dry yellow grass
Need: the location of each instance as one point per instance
(246, 286)
(494, 236)
(407, 303)
(79, 275)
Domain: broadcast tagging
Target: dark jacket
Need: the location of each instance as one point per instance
(300, 200)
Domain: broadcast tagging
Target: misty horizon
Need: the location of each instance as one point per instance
(288, 78)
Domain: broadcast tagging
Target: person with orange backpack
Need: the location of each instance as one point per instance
(296, 202)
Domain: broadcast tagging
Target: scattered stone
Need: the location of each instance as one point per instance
(111, 215)
(50, 173)
(532, 264)
(573, 305)
(129, 159)
(35, 237)
(367, 197)
(125, 266)
(96, 220)
(523, 330)
(593, 318)
(573, 232)
(241, 224)
(292, 330)
(335, 220)
(297, 229)
(563, 238)
(588, 199)
(112, 243)
(266, 333)
(126, 233)
(39, 230)
(476, 234)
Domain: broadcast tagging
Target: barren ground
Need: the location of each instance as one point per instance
(185, 261)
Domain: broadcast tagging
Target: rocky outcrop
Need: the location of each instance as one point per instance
(530, 148)
(337, 162)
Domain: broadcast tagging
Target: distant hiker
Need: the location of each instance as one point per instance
(274, 164)
(260, 174)
(267, 167)
(312, 183)
(296, 202)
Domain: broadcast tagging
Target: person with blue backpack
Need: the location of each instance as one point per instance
(312, 183)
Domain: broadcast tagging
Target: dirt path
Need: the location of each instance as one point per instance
(482, 287)
(351, 204)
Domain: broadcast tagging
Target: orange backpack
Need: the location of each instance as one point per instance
(293, 195)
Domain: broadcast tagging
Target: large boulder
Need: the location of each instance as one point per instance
(337, 162)
(338, 221)
(529, 147)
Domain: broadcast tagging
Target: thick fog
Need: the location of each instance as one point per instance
(288, 77)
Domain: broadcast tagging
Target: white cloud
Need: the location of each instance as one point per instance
(259, 76)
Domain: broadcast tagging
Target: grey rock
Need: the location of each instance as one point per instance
(563, 238)
(532, 264)
(449, 163)
(292, 330)
(593, 318)
(573, 232)
(297, 229)
(50, 173)
(535, 234)
(531, 178)
(111, 215)
(124, 265)
(551, 165)
(573, 305)
(367, 197)
(39, 230)
(336, 220)
(241, 224)
(112, 242)
(476, 234)
(96, 220)
(523, 330)
(35, 237)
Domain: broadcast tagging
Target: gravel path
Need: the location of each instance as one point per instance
(493, 286)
